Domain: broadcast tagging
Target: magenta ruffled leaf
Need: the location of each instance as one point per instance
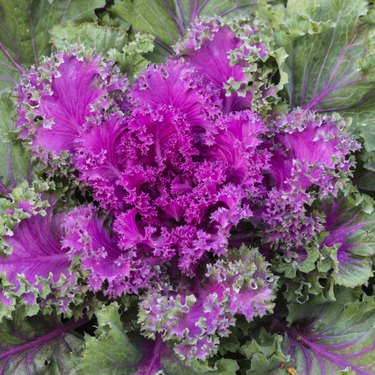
(62, 97)
(195, 315)
(227, 60)
(176, 181)
(87, 238)
(311, 159)
(36, 250)
(181, 86)
(312, 149)
(184, 201)
(36, 272)
(97, 160)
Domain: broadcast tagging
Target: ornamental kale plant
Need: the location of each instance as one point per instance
(187, 187)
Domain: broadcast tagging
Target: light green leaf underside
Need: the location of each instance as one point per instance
(110, 351)
(331, 52)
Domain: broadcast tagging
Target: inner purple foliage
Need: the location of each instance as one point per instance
(178, 172)
(38, 264)
(87, 237)
(195, 314)
(210, 49)
(178, 161)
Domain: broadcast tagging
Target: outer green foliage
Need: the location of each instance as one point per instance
(127, 51)
(24, 30)
(40, 345)
(142, 17)
(168, 20)
(323, 338)
(356, 213)
(331, 52)
(336, 336)
(265, 354)
(110, 351)
(94, 38)
(11, 153)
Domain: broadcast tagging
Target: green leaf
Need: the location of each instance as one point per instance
(14, 156)
(265, 355)
(332, 338)
(96, 39)
(156, 19)
(114, 43)
(38, 345)
(131, 58)
(168, 20)
(222, 367)
(363, 125)
(331, 52)
(24, 30)
(110, 352)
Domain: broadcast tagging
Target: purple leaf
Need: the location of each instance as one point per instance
(37, 251)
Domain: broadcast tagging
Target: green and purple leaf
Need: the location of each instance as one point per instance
(350, 224)
(168, 20)
(39, 345)
(331, 53)
(332, 338)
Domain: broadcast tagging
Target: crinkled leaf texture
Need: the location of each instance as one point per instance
(24, 36)
(36, 250)
(332, 338)
(21, 203)
(36, 273)
(111, 352)
(62, 97)
(127, 51)
(38, 345)
(193, 317)
(264, 354)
